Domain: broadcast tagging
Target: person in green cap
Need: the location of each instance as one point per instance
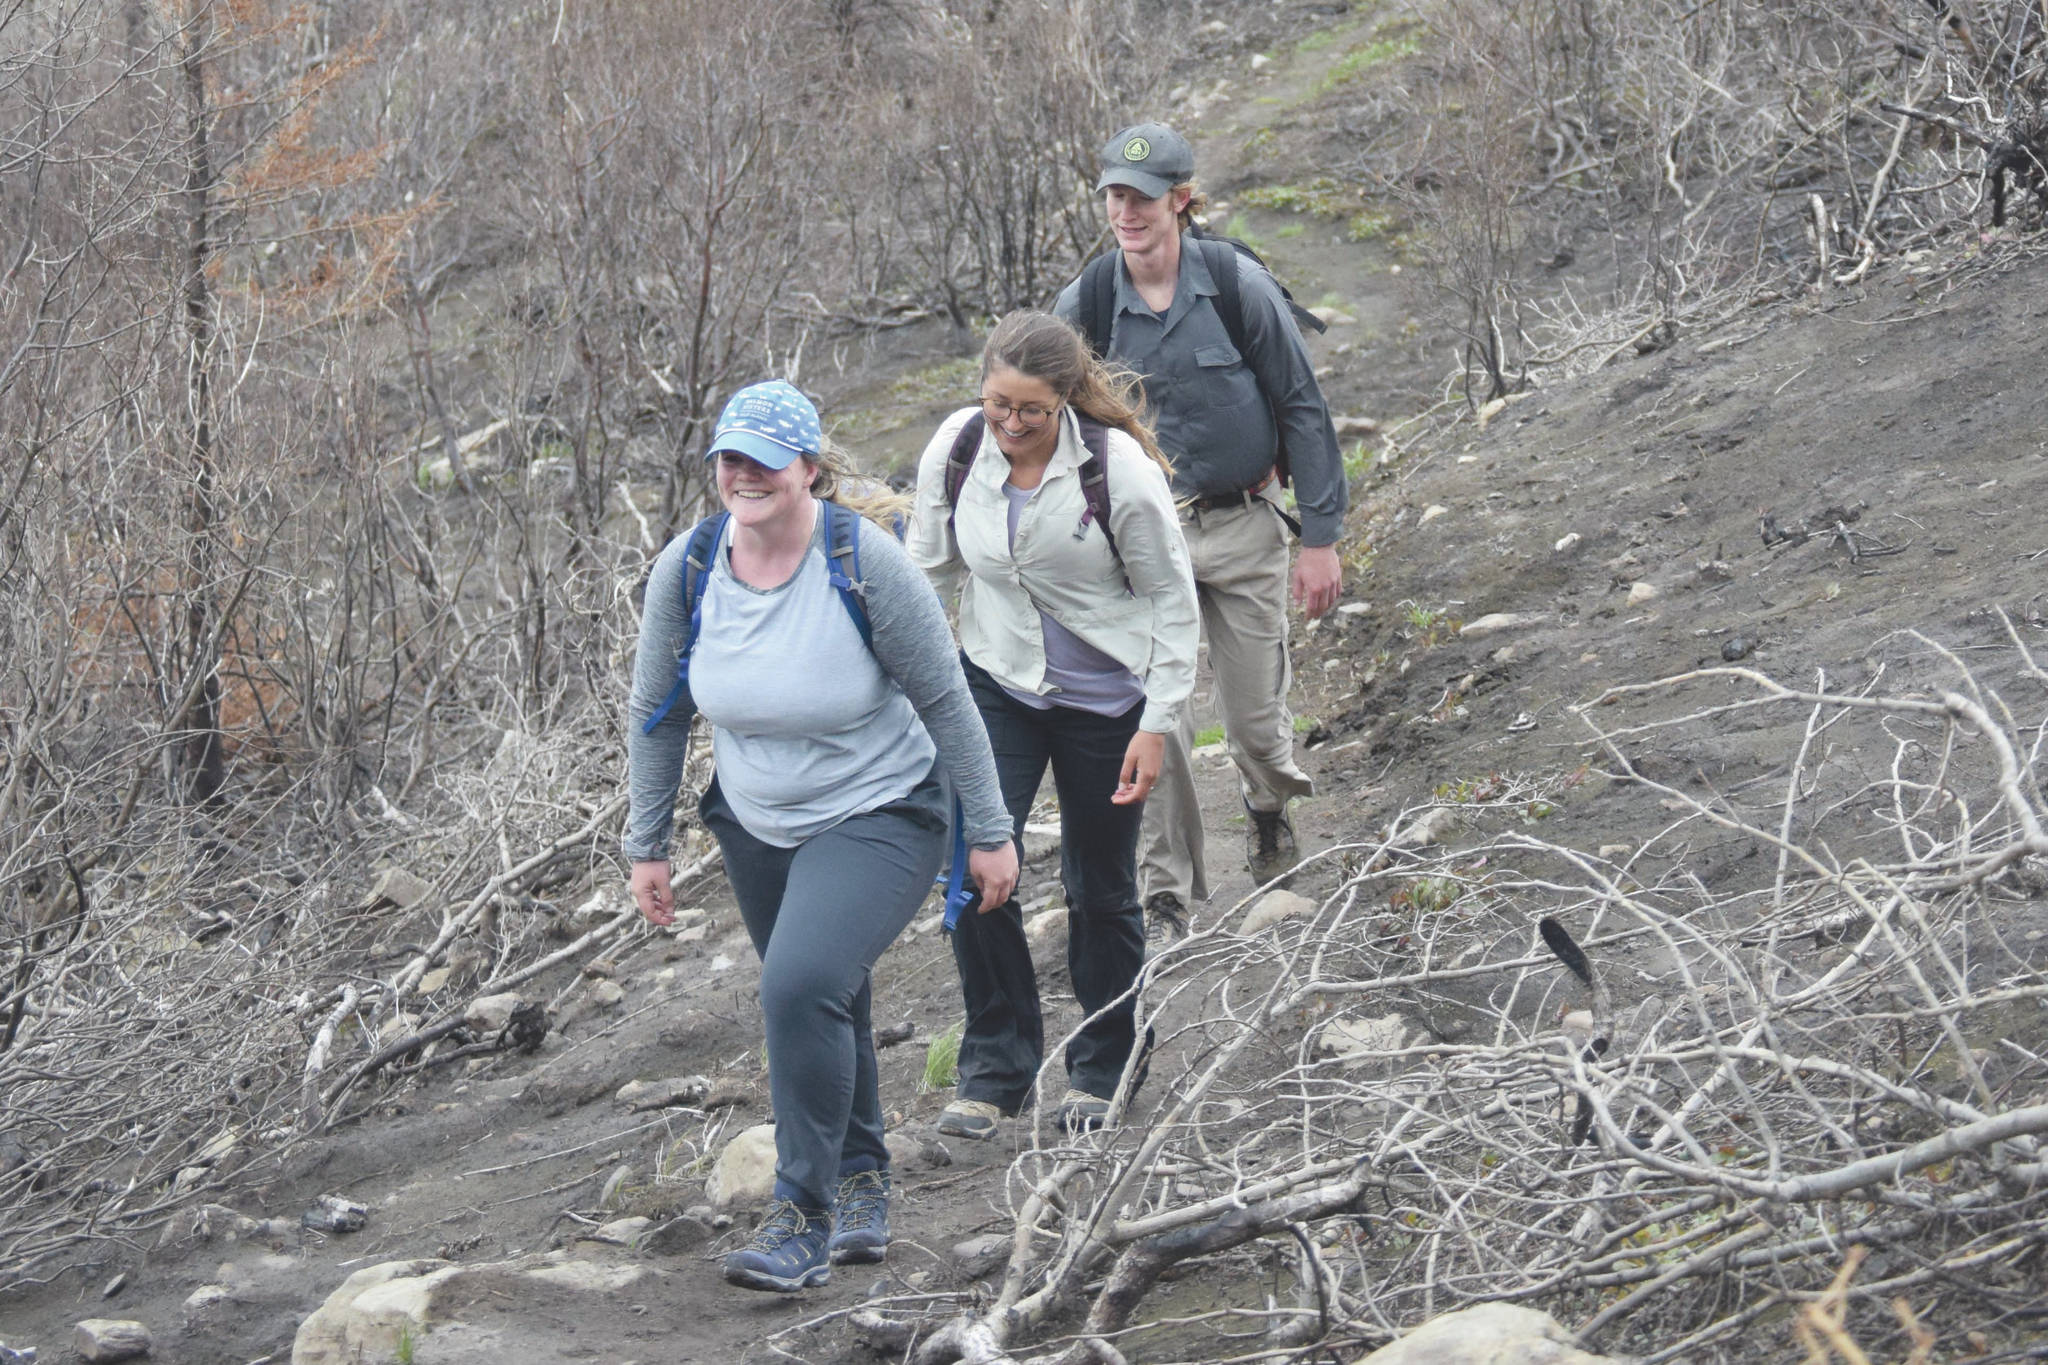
(1234, 400)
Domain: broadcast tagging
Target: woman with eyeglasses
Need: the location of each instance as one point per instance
(1047, 505)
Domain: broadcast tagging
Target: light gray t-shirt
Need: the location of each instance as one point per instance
(1077, 674)
(810, 725)
(806, 727)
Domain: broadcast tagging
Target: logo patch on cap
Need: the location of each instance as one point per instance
(1137, 149)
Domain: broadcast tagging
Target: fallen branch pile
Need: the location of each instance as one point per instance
(1411, 1102)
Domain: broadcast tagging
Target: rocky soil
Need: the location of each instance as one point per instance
(1845, 487)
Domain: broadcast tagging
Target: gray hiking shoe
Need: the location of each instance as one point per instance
(1081, 1112)
(1268, 843)
(975, 1119)
(1166, 919)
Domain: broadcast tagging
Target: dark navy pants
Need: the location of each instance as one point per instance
(820, 914)
(1004, 1040)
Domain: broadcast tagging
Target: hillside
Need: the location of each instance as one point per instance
(1718, 639)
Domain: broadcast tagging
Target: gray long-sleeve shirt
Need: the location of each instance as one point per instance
(809, 726)
(1214, 411)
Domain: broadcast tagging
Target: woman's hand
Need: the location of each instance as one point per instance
(651, 892)
(995, 874)
(1141, 768)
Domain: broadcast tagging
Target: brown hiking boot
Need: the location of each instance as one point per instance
(1268, 843)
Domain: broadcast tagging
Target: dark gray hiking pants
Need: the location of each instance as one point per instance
(820, 914)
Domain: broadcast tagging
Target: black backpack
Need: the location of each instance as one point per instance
(1094, 474)
(1097, 310)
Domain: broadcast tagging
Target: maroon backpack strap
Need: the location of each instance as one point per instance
(959, 460)
(1094, 471)
(1095, 478)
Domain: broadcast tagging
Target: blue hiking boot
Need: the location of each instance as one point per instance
(787, 1253)
(860, 1219)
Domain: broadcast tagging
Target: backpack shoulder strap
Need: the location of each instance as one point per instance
(1095, 478)
(1097, 313)
(960, 459)
(1221, 258)
(699, 554)
(842, 564)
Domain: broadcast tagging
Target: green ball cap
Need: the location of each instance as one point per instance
(1148, 157)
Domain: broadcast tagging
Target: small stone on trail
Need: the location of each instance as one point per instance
(1430, 827)
(1737, 648)
(1613, 851)
(1495, 621)
(397, 887)
(744, 1174)
(1260, 61)
(1488, 1332)
(1215, 26)
(99, 1339)
(721, 963)
(1431, 513)
(332, 1213)
(1043, 926)
(608, 995)
(1273, 907)
(433, 982)
(1640, 593)
(115, 1285)
(205, 1299)
(623, 1232)
(895, 1033)
(1354, 609)
(1568, 543)
(664, 1094)
(912, 1150)
(1362, 1039)
(490, 1013)
(977, 1256)
(1356, 426)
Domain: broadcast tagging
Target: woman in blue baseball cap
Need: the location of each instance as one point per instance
(839, 720)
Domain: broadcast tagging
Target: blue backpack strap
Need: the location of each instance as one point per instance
(699, 554)
(842, 564)
(959, 895)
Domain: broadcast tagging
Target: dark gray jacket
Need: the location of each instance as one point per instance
(1213, 409)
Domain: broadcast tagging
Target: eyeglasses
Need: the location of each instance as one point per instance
(1031, 414)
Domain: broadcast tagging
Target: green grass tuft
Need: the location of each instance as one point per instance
(941, 1061)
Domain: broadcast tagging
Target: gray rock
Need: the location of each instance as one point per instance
(490, 1013)
(664, 1094)
(912, 1150)
(1274, 907)
(379, 1305)
(203, 1301)
(332, 1213)
(744, 1174)
(1360, 1040)
(1432, 826)
(98, 1339)
(1494, 622)
(622, 1232)
(977, 1256)
(17, 1355)
(608, 995)
(397, 887)
(1488, 1334)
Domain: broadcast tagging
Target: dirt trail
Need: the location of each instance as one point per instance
(1912, 403)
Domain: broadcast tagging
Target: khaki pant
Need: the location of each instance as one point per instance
(1240, 560)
